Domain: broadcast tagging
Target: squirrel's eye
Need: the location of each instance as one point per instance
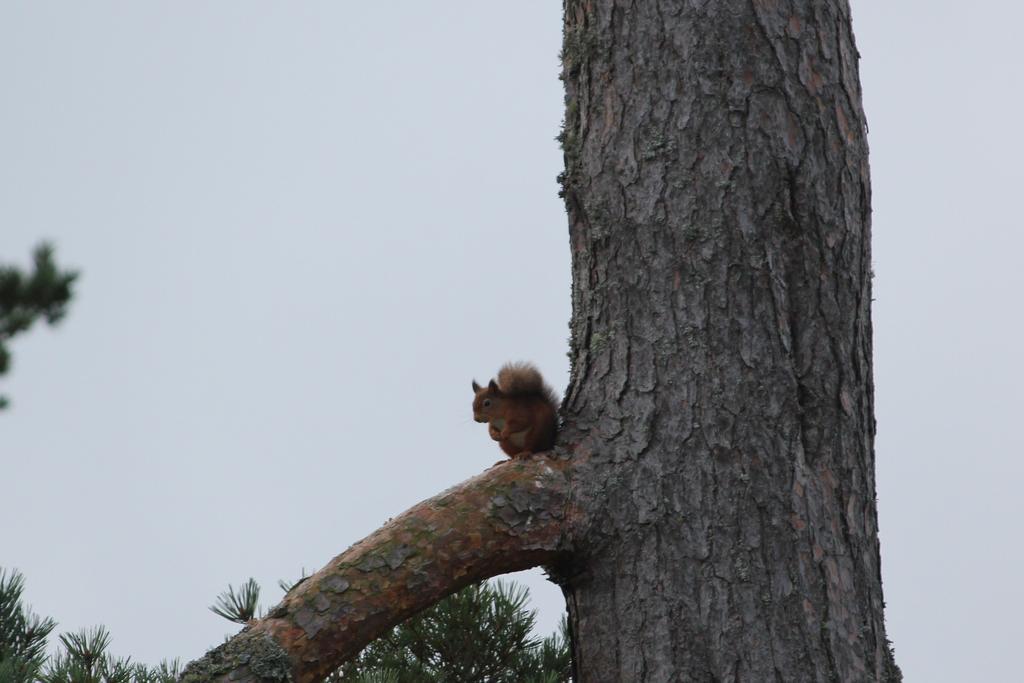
(487, 403)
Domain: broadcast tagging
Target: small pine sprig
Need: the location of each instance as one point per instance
(240, 607)
(24, 298)
(85, 660)
(23, 634)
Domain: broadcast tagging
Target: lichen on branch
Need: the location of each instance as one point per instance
(511, 517)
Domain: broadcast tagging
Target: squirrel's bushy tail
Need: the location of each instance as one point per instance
(524, 379)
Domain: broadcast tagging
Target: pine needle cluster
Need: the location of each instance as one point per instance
(82, 658)
(26, 297)
(482, 634)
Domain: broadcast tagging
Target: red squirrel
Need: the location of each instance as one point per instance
(520, 410)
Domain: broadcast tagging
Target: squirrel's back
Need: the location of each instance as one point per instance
(524, 379)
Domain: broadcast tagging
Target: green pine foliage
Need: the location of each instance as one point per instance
(26, 297)
(83, 657)
(22, 634)
(241, 607)
(482, 634)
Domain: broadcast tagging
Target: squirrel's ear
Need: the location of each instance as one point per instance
(476, 387)
(493, 386)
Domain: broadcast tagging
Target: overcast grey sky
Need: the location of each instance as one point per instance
(304, 227)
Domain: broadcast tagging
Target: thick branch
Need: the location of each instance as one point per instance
(509, 518)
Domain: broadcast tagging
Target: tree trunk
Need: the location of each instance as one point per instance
(720, 407)
(711, 510)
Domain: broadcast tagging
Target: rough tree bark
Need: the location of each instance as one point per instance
(710, 512)
(720, 407)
